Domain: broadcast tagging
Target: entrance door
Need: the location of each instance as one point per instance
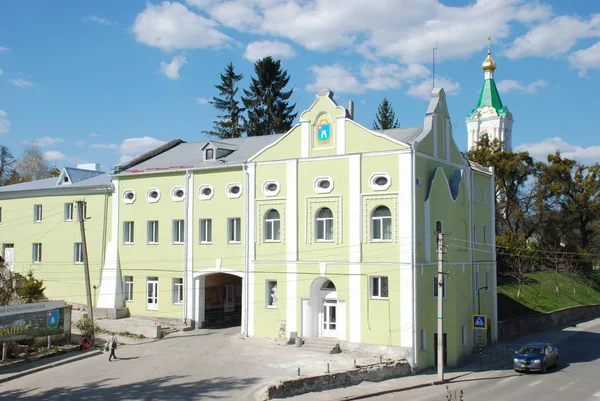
(229, 304)
(435, 348)
(9, 256)
(152, 295)
(329, 319)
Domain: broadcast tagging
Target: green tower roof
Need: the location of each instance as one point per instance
(489, 96)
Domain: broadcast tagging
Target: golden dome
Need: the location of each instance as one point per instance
(488, 64)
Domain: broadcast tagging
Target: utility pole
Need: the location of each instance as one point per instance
(86, 265)
(440, 319)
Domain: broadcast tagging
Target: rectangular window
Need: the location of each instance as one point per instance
(128, 232)
(271, 294)
(153, 231)
(379, 287)
(128, 288)
(205, 231)
(36, 253)
(423, 339)
(485, 234)
(37, 213)
(178, 231)
(436, 287)
(78, 252)
(68, 211)
(177, 290)
(487, 281)
(476, 282)
(233, 230)
(464, 336)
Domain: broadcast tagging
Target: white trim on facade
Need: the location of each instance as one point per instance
(305, 139)
(250, 240)
(111, 290)
(354, 255)
(341, 135)
(189, 302)
(405, 227)
(291, 227)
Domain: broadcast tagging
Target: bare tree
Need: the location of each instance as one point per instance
(32, 165)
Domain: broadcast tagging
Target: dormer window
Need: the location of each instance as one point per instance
(66, 179)
(210, 154)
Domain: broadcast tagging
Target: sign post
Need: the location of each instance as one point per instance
(479, 323)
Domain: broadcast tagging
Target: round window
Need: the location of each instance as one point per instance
(324, 184)
(179, 193)
(206, 191)
(381, 181)
(234, 189)
(154, 194)
(129, 196)
(272, 187)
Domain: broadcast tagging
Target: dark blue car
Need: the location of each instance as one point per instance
(535, 357)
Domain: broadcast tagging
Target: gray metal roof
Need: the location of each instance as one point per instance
(101, 179)
(190, 155)
(407, 135)
(76, 174)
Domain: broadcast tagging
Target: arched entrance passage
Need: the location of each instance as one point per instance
(323, 315)
(222, 300)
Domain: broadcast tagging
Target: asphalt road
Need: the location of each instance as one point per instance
(577, 377)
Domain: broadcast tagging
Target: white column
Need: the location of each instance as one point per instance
(291, 238)
(189, 263)
(406, 235)
(305, 139)
(111, 288)
(355, 242)
(251, 222)
(340, 139)
(492, 203)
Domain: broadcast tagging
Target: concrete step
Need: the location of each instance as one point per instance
(168, 330)
(319, 344)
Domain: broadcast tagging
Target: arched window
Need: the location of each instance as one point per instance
(381, 224)
(324, 225)
(272, 224)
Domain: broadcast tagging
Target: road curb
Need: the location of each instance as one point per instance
(87, 354)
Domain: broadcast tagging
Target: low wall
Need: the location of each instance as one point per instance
(514, 328)
(303, 385)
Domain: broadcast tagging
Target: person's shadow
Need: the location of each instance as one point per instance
(127, 358)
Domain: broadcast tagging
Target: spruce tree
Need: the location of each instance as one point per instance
(229, 123)
(386, 118)
(266, 102)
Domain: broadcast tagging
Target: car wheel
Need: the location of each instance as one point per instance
(517, 370)
(556, 362)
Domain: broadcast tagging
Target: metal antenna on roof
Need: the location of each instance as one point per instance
(434, 49)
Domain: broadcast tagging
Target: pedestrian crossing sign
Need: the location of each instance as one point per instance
(479, 322)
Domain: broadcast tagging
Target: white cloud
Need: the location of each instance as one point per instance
(335, 78)
(275, 49)
(131, 148)
(556, 36)
(171, 70)
(93, 134)
(99, 20)
(510, 85)
(202, 101)
(53, 155)
(171, 25)
(80, 143)
(105, 146)
(1, 72)
(585, 59)
(21, 83)
(392, 76)
(4, 50)
(4, 122)
(540, 150)
(424, 88)
(43, 141)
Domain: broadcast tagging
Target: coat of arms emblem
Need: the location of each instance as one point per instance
(323, 131)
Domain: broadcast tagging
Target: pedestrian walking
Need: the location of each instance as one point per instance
(112, 346)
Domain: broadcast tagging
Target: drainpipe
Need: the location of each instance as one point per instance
(246, 247)
(414, 256)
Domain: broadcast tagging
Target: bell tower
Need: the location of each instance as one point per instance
(490, 117)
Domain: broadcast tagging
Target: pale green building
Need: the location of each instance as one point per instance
(327, 230)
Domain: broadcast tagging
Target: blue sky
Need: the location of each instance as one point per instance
(103, 81)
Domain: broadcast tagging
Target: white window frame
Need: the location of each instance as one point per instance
(373, 181)
(234, 230)
(381, 221)
(269, 192)
(423, 340)
(126, 193)
(128, 288)
(68, 211)
(151, 199)
(174, 195)
(206, 229)
(78, 253)
(203, 196)
(178, 231)
(270, 302)
(317, 185)
(436, 287)
(214, 153)
(178, 291)
(38, 213)
(36, 252)
(322, 236)
(128, 232)
(230, 194)
(377, 287)
(152, 232)
(272, 223)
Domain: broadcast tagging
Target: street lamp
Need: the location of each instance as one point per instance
(479, 299)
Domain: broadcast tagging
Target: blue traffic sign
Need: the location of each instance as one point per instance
(479, 322)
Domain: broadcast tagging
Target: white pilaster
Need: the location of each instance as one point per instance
(341, 135)
(251, 222)
(189, 263)
(111, 288)
(305, 139)
(492, 204)
(355, 254)
(405, 226)
(291, 227)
